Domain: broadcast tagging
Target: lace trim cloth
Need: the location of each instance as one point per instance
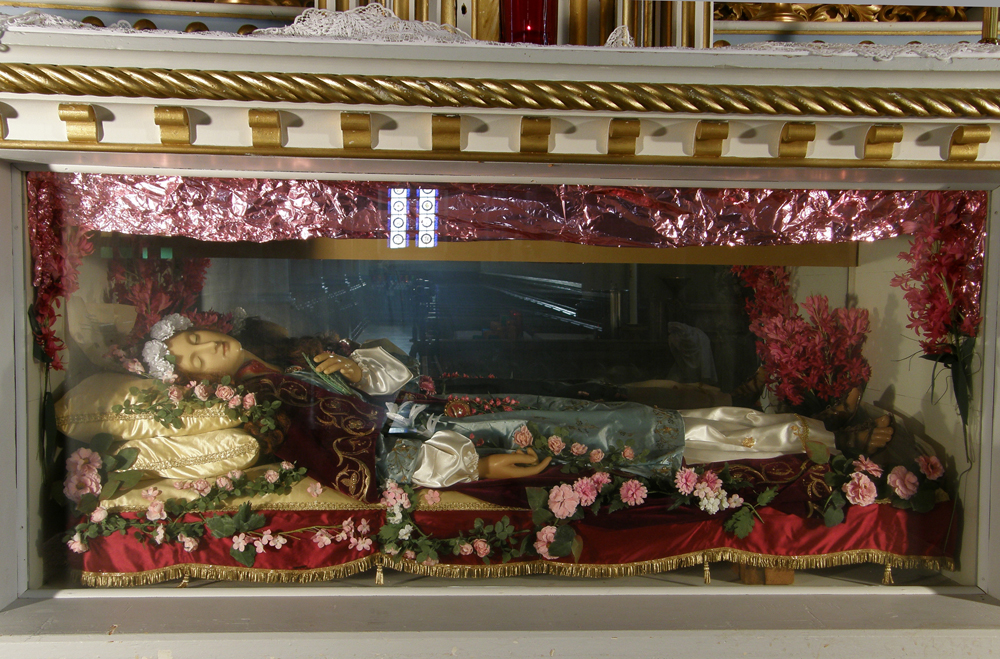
(376, 24)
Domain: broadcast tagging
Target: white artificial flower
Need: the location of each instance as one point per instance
(168, 326)
(404, 533)
(154, 353)
(395, 515)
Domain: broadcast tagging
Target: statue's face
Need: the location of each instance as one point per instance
(202, 353)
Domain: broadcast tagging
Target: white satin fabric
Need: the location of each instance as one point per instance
(381, 373)
(447, 458)
(715, 434)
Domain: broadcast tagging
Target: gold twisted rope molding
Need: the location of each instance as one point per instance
(497, 94)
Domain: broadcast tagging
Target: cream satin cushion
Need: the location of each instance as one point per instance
(87, 411)
(188, 457)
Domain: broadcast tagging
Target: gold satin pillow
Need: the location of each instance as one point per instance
(187, 457)
(87, 410)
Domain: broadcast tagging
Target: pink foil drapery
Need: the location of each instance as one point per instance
(261, 210)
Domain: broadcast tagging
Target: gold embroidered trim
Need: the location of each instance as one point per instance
(802, 432)
(225, 573)
(748, 442)
(536, 95)
(247, 449)
(265, 507)
(65, 419)
(467, 506)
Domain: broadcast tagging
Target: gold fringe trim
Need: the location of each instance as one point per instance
(265, 507)
(504, 570)
(225, 573)
(467, 506)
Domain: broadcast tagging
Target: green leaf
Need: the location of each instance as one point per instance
(767, 496)
(902, 504)
(246, 557)
(109, 489)
(563, 543)
(818, 452)
(128, 479)
(88, 503)
(221, 526)
(741, 522)
(577, 548)
(832, 479)
(836, 499)
(833, 515)
(840, 464)
(101, 442)
(127, 457)
(924, 501)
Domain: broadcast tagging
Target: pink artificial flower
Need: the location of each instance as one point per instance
(930, 467)
(426, 384)
(134, 366)
(235, 402)
(271, 476)
(191, 384)
(633, 492)
(76, 545)
(322, 539)
(279, 541)
(391, 550)
(628, 453)
(543, 540)
(190, 544)
(287, 466)
(182, 485)
(155, 511)
(202, 392)
(235, 474)
(587, 490)
(860, 490)
(600, 479)
(315, 490)
(348, 525)
(83, 460)
(735, 501)
(259, 546)
(151, 493)
(522, 437)
(563, 501)
(685, 480)
(430, 562)
(340, 537)
(577, 448)
(224, 392)
(432, 497)
(596, 455)
(249, 401)
(556, 444)
(482, 547)
(364, 544)
(465, 549)
(409, 554)
(202, 487)
(903, 482)
(864, 464)
(80, 483)
(712, 480)
(240, 542)
(363, 527)
(175, 394)
(160, 535)
(99, 515)
(224, 483)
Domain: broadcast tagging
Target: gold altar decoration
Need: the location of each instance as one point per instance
(537, 95)
(788, 12)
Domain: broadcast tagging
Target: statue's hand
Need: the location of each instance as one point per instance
(519, 464)
(330, 363)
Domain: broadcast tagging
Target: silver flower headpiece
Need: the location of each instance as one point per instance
(155, 352)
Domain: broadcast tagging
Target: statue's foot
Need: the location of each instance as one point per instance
(867, 438)
(840, 413)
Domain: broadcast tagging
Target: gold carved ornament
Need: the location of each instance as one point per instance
(537, 95)
(791, 12)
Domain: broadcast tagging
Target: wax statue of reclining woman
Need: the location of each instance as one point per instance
(439, 450)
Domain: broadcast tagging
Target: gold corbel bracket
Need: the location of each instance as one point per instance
(81, 122)
(265, 127)
(446, 132)
(881, 139)
(622, 136)
(795, 139)
(175, 126)
(357, 130)
(965, 141)
(708, 138)
(535, 133)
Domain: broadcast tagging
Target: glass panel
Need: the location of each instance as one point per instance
(422, 401)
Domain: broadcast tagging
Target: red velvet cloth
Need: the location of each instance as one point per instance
(117, 553)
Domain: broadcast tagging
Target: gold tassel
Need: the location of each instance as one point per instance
(887, 575)
(185, 581)
(379, 579)
(708, 573)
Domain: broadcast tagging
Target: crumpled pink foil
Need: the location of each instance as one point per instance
(262, 210)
